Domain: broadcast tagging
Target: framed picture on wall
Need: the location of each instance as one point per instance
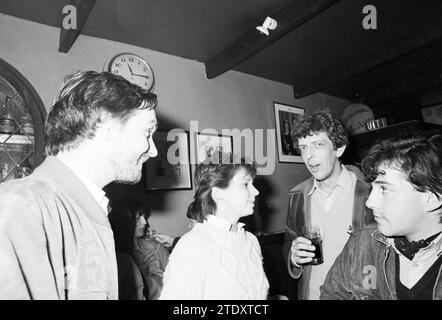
(286, 118)
(207, 144)
(171, 169)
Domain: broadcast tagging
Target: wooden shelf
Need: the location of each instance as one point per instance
(361, 143)
(16, 139)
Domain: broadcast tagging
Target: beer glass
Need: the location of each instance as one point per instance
(313, 233)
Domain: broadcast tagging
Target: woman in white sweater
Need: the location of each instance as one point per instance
(218, 259)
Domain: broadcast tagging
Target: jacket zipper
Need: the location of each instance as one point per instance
(437, 281)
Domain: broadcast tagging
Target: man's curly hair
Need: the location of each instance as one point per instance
(321, 120)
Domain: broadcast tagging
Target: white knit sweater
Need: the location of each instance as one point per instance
(212, 263)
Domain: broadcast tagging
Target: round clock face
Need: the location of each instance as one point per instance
(134, 69)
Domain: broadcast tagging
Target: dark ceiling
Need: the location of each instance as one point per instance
(318, 45)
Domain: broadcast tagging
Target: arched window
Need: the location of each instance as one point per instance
(22, 116)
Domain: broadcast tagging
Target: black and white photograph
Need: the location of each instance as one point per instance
(207, 145)
(287, 118)
(171, 169)
(239, 151)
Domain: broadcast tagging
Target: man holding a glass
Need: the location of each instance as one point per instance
(327, 207)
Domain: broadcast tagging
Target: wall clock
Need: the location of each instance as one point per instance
(134, 69)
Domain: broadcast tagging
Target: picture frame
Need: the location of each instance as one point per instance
(285, 118)
(206, 144)
(171, 169)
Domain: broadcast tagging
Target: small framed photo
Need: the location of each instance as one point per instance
(171, 169)
(207, 144)
(286, 118)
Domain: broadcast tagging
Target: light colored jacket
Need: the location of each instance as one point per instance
(55, 239)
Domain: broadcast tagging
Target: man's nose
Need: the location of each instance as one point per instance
(370, 203)
(152, 152)
(310, 153)
(255, 191)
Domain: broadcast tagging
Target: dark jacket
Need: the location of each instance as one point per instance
(366, 270)
(299, 215)
(130, 280)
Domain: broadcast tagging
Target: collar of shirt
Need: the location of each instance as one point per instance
(344, 181)
(434, 248)
(221, 223)
(96, 192)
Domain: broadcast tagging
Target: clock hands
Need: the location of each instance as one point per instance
(140, 75)
(136, 74)
(130, 69)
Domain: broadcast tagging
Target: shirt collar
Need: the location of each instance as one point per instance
(97, 193)
(344, 181)
(221, 223)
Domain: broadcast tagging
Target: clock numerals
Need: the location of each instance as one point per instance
(133, 69)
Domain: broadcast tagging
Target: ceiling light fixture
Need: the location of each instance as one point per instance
(269, 24)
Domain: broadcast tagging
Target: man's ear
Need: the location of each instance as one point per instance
(108, 129)
(432, 201)
(340, 150)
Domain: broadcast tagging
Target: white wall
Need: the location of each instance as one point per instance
(232, 100)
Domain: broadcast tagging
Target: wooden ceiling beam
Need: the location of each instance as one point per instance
(408, 42)
(68, 36)
(288, 18)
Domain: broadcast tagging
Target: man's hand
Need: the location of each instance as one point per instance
(301, 251)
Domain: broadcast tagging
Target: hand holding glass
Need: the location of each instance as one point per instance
(313, 233)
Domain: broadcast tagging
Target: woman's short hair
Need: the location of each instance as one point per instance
(84, 100)
(321, 120)
(420, 159)
(216, 171)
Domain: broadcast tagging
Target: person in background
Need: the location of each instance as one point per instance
(55, 237)
(400, 257)
(217, 258)
(134, 238)
(286, 139)
(332, 199)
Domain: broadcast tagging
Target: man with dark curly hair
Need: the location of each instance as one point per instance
(400, 257)
(332, 199)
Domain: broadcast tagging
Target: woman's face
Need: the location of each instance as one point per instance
(140, 225)
(238, 199)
